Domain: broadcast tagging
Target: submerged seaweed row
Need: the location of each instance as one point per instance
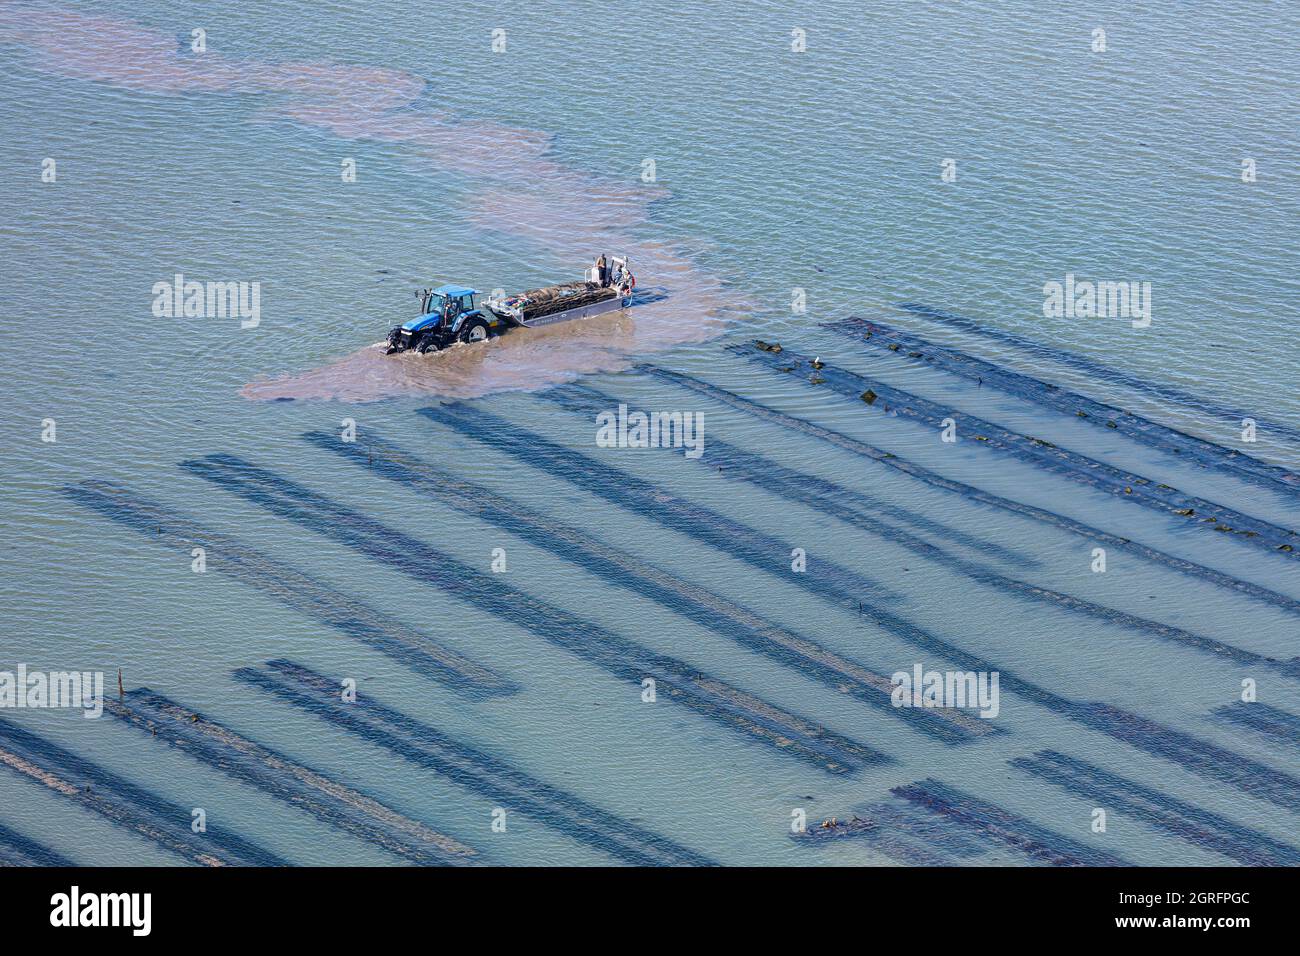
(1199, 756)
(704, 607)
(488, 776)
(950, 837)
(249, 762)
(627, 660)
(656, 503)
(985, 821)
(123, 803)
(1183, 820)
(879, 835)
(828, 498)
(934, 479)
(1279, 725)
(1161, 437)
(18, 849)
(293, 588)
(756, 548)
(1095, 369)
(1035, 451)
(932, 824)
(584, 398)
(903, 832)
(995, 823)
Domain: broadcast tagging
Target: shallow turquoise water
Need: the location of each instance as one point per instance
(776, 171)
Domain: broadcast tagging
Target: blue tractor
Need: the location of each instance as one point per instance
(448, 314)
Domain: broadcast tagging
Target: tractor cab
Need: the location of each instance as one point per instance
(443, 305)
(448, 314)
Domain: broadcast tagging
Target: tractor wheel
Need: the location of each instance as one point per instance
(475, 330)
(427, 344)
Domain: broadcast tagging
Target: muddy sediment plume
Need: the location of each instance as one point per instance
(516, 189)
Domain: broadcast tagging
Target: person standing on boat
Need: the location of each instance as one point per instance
(602, 271)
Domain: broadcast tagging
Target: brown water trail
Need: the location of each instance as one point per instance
(519, 191)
